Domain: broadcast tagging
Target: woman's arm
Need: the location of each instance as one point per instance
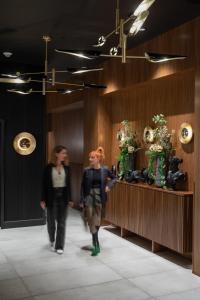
(112, 181)
(69, 184)
(44, 187)
(81, 203)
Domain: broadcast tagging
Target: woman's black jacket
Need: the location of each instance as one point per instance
(47, 187)
(86, 185)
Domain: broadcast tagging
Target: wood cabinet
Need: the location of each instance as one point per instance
(162, 216)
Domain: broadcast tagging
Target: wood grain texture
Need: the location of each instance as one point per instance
(172, 96)
(196, 211)
(161, 216)
(67, 128)
(76, 177)
(176, 86)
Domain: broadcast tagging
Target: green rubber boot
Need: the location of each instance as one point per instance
(98, 249)
(95, 251)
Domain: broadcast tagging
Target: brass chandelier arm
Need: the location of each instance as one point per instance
(56, 82)
(120, 56)
(118, 27)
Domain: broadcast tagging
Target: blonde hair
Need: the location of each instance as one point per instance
(56, 150)
(99, 153)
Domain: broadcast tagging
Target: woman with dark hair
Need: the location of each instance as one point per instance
(56, 196)
(94, 189)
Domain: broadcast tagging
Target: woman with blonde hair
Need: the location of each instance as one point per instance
(56, 196)
(94, 189)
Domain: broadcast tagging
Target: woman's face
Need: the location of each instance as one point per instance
(93, 160)
(62, 155)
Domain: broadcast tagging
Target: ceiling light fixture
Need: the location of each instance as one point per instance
(158, 58)
(143, 6)
(137, 24)
(83, 70)
(14, 80)
(20, 92)
(49, 77)
(7, 54)
(151, 57)
(139, 15)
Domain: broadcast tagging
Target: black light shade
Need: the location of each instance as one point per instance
(157, 57)
(22, 92)
(82, 70)
(14, 80)
(87, 54)
(68, 91)
(94, 85)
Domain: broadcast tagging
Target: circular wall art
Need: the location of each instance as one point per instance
(148, 135)
(185, 133)
(24, 143)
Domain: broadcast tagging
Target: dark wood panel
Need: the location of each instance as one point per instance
(67, 129)
(163, 217)
(22, 174)
(196, 211)
(76, 177)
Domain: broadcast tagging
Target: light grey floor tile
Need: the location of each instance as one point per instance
(7, 271)
(53, 264)
(118, 290)
(188, 295)
(12, 289)
(168, 282)
(142, 266)
(123, 253)
(123, 270)
(3, 259)
(56, 281)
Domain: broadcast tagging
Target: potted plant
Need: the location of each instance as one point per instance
(128, 146)
(159, 151)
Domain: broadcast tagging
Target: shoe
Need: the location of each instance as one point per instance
(59, 251)
(98, 249)
(95, 251)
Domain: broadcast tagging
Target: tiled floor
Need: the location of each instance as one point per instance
(122, 271)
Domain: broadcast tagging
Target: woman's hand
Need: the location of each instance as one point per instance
(107, 189)
(42, 204)
(71, 204)
(81, 205)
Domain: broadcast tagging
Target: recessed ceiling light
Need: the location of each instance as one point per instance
(7, 54)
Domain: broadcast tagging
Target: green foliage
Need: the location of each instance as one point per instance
(127, 144)
(159, 150)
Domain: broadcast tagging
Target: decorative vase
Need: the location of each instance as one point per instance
(131, 161)
(160, 171)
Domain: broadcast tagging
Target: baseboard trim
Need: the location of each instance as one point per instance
(23, 223)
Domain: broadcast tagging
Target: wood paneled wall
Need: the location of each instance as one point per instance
(68, 131)
(196, 210)
(172, 96)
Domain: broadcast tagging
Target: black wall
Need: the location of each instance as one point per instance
(22, 175)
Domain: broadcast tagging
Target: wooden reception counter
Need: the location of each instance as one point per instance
(162, 216)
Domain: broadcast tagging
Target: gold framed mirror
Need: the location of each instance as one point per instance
(24, 143)
(185, 133)
(148, 135)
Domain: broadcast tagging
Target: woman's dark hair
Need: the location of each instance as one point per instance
(57, 149)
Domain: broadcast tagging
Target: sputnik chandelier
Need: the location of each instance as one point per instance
(136, 20)
(48, 79)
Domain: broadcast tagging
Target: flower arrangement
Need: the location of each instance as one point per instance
(128, 145)
(159, 150)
